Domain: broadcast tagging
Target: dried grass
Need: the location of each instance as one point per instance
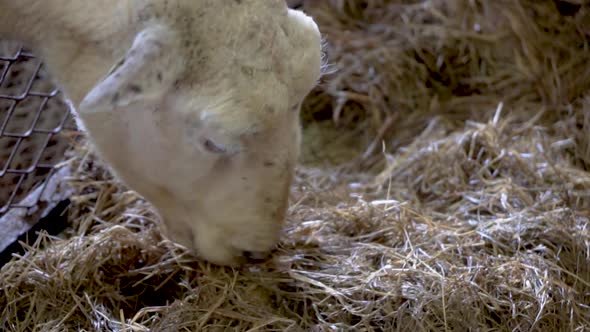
(475, 217)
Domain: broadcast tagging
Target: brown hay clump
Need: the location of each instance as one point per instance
(401, 62)
(474, 217)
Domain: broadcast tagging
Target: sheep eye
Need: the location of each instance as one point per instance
(212, 147)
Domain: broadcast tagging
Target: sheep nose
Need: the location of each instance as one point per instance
(257, 256)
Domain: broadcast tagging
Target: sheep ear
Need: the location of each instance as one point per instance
(306, 63)
(149, 67)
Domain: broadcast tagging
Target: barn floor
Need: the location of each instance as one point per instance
(445, 186)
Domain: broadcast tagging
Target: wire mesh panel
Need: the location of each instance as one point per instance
(33, 116)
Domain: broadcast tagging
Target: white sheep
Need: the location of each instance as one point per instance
(194, 104)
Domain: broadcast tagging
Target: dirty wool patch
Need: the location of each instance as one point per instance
(461, 204)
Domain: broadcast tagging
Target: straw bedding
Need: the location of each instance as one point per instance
(445, 187)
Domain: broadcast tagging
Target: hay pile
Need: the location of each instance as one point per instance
(466, 208)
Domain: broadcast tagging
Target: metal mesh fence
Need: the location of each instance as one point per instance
(33, 115)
